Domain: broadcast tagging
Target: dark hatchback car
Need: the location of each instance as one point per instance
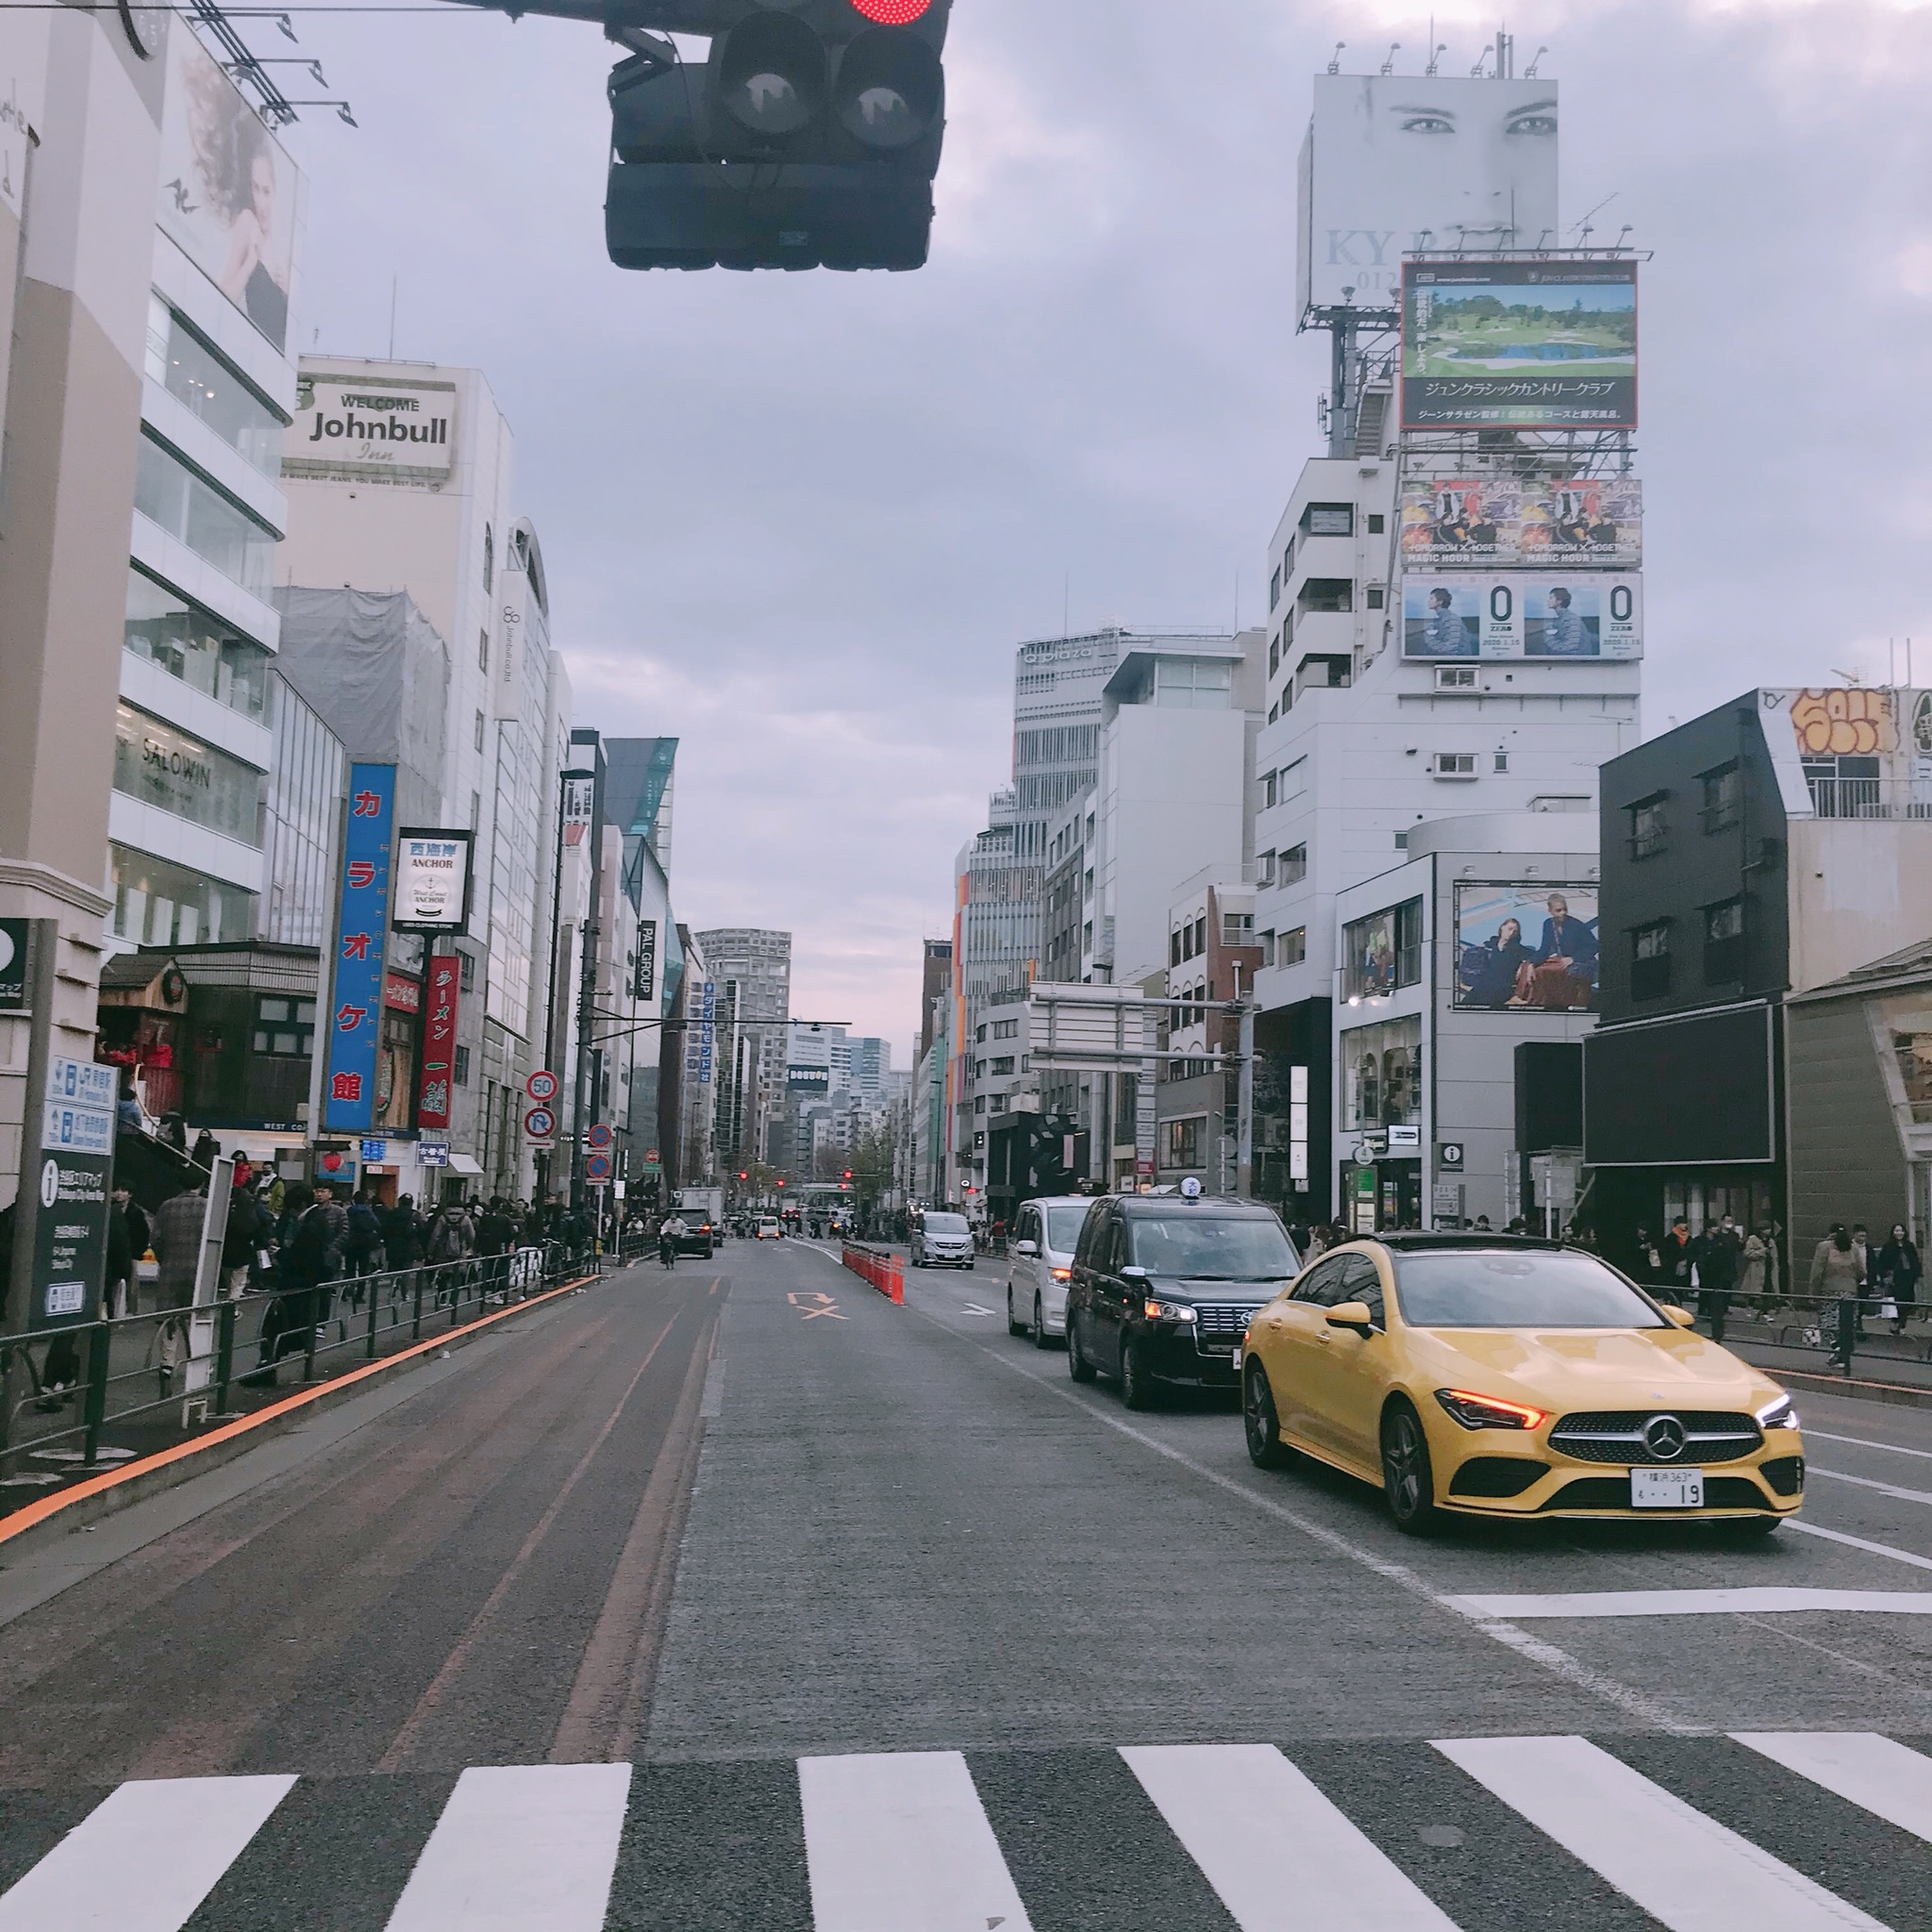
(1164, 1287)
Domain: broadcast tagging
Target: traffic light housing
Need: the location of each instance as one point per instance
(810, 137)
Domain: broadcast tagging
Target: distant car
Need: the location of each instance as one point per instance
(1485, 1376)
(1044, 1238)
(768, 1230)
(1164, 1287)
(699, 1238)
(942, 1240)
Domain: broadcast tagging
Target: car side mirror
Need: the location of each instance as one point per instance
(1353, 1315)
(1027, 1249)
(1680, 1318)
(1135, 1273)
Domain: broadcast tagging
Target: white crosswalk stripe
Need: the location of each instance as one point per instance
(906, 1842)
(1878, 1774)
(1282, 1857)
(519, 1847)
(901, 1841)
(144, 1857)
(1684, 1869)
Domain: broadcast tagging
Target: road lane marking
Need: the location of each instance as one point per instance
(816, 1306)
(973, 1309)
(1864, 1443)
(1687, 1871)
(1878, 1774)
(1859, 1542)
(1753, 1600)
(901, 1841)
(1281, 1856)
(1573, 1671)
(517, 1847)
(144, 1857)
(1866, 1482)
(712, 1405)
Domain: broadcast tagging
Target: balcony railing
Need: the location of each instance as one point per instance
(1869, 798)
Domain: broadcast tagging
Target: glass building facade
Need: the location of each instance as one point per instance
(305, 787)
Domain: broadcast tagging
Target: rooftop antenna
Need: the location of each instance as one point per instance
(1582, 228)
(1543, 240)
(1506, 56)
(1853, 679)
(1388, 66)
(1620, 234)
(1335, 62)
(1475, 72)
(1435, 59)
(1529, 72)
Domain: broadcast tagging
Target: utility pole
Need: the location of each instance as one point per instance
(586, 975)
(1245, 1111)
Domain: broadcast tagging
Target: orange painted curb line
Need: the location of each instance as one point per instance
(33, 1513)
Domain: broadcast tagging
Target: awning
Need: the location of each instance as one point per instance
(462, 1164)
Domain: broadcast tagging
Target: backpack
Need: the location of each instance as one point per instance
(447, 1237)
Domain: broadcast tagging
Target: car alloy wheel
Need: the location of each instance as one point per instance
(1262, 1426)
(1408, 1483)
(1039, 1336)
(1077, 1365)
(1013, 1327)
(1137, 1385)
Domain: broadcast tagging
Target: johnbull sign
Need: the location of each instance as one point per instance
(371, 427)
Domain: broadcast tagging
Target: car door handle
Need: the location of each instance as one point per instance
(1324, 1337)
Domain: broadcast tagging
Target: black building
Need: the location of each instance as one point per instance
(1765, 848)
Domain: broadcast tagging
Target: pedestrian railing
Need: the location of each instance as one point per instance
(1873, 1325)
(106, 1392)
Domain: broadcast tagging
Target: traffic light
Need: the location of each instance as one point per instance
(810, 137)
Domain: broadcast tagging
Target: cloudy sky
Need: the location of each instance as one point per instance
(802, 521)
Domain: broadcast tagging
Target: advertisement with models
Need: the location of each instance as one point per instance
(1394, 163)
(1519, 344)
(1528, 947)
(230, 197)
(1470, 522)
(1592, 616)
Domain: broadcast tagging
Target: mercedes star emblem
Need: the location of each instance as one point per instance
(1663, 1436)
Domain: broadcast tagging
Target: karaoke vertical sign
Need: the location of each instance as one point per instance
(356, 1022)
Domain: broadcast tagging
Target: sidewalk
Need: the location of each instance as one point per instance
(1885, 1363)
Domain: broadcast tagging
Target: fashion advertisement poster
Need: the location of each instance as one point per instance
(1528, 947)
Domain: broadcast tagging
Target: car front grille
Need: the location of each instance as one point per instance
(1221, 1322)
(1617, 1436)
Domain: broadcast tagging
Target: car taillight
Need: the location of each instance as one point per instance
(1061, 1274)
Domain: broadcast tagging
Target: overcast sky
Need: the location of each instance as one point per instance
(802, 521)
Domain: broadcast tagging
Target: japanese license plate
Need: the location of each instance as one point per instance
(1667, 1489)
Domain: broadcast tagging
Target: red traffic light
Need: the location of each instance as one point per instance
(848, 1173)
(893, 12)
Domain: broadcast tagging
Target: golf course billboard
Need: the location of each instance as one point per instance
(1522, 343)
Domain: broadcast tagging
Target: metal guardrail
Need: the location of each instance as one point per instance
(1839, 1326)
(120, 1404)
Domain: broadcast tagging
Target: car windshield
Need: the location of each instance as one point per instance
(1461, 1290)
(1211, 1247)
(945, 1223)
(1063, 1226)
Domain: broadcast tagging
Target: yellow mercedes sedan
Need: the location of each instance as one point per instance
(1486, 1376)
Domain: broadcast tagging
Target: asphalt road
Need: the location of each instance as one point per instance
(952, 1645)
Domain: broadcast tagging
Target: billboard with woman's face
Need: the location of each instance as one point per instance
(1528, 947)
(229, 195)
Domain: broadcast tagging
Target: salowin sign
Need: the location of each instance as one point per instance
(407, 428)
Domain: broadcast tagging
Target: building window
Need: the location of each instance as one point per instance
(489, 558)
(979, 1034)
(1275, 710)
(1198, 684)
(1373, 596)
(1292, 779)
(1723, 943)
(1003, 1065)
(479, 731)
(1184, 1143)
(466, 972)
(1174, 947)
(1376, 525)
(1264, 869)
(462, 1066)
(1333, 594)
(483, 652)
(1846, 786)
(1383, 952)
(1275, 655)
(191, 509)
(1648, 829)
(162, 766)
(1006, 1030)
(199, 649)
(1274, 590)
(1270, 789)
(1292, 947)
(183, 365)
(979, 1103)
(1650, 961)
(285, 1027)
(1724, 797)
(1237, 928)
(999, 1103)
(1382, 1068)
(1455, 677)
(1502, 761)
(1453, 764)
(1329, 520)
(1291, 866)
(157, 904)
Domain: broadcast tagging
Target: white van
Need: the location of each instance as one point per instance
(1044, 1237)
(942, 1241)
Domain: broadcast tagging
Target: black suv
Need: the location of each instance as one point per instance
(1164, 1287)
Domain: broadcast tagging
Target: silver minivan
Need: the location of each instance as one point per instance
(942, 1241)
(1045, 1233)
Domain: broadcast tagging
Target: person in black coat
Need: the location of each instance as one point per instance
(1896, 1272)
(1718, 1253)
(401, 1235)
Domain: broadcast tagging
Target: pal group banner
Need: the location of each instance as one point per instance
(356, 1023)
(439, 1040)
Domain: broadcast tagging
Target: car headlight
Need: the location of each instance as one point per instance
(1167, 1311)
(1488, 1411)
(1781, 1414)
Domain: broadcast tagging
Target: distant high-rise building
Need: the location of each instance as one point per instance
(752, 971)
(935, 979)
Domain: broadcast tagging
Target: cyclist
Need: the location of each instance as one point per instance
(668, 1235)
